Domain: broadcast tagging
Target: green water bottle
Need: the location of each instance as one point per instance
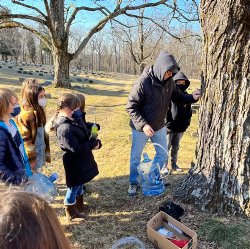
(94, 130)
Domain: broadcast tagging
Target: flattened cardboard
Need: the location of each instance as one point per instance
(161, 242)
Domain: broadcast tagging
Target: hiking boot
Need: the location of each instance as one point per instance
(175, 167)
(73, 213)
(132, 189)
(80, 204)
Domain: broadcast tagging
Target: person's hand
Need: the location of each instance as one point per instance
(33, 165)
(97, 147)
(147, 129)
(196, 94)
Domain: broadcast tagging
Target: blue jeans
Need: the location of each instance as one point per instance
(72, 192)
(139, 140)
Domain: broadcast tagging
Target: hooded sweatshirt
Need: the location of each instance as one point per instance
(179, 116)
(150, 96)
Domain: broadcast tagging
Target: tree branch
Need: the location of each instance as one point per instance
(157, 24)
(180, 13)
(50, 24)
(14, 16)
(111, 16)
(14, 24)
(30, 7)
(77, 9)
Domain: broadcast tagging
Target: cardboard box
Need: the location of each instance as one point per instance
(180, 231)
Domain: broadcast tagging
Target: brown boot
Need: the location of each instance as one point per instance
(80, 204)
(73, 213)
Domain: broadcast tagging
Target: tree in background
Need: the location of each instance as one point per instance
(31, 47)
(58, 18)
(220, 179)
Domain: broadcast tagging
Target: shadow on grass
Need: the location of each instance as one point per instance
(114, 214)
(92, 91)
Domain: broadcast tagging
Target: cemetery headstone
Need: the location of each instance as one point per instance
(21, 80)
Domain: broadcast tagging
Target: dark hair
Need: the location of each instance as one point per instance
(28, 222)
(82, 101)
(30, 92)
(66, 100)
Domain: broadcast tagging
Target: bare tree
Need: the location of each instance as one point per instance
(58, 22)
(220, 180)
(31, 47)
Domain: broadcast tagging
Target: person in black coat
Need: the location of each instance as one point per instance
(78, 160)
(178, 120)
(147, 106)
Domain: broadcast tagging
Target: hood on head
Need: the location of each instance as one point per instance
(182, 76)
(163, 63)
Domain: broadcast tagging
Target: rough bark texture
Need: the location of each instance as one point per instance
(219, 182)
(60, 46)
(61, 67)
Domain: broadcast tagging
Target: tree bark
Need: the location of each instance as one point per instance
(61, 67)
(220, 180)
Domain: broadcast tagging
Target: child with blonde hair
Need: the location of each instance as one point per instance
(14, 163)
(28, 222)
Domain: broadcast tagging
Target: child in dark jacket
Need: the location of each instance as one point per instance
(178, 120)
(79, 115)
(14, 163)
(78, 160)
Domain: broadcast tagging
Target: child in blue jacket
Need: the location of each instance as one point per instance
(14, 163)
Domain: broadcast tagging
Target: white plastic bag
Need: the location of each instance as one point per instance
(128, 241)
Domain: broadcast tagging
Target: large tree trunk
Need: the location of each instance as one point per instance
(61, 67)
(219, 182)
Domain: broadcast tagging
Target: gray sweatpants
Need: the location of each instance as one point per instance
(174, 139)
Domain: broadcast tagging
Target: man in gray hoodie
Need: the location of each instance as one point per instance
(147, 106)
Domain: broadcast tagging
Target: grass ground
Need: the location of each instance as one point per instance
(114, 214)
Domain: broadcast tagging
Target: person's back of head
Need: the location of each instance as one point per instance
(28, 222)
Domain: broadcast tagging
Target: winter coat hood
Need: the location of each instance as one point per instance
(163, 63)
(182, 76)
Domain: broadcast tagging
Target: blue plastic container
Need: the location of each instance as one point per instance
(150, 177)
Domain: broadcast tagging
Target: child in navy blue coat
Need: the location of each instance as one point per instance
(14, 163)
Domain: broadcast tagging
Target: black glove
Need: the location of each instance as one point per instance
(98, 126)
(93, 143)
(100, 144)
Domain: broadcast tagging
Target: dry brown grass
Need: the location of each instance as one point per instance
(114, 214)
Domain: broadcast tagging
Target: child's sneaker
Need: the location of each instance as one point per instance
(132, 189)
(175, 167)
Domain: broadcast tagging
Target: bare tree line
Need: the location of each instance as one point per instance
(53, 23)
(115, 49)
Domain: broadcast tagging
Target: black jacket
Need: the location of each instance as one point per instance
(78, 160)
(179, 116)
(150, 96)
